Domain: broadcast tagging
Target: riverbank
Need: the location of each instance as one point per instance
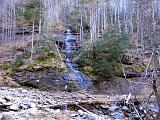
(32, 104)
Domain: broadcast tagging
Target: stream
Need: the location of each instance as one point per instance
(71, 50)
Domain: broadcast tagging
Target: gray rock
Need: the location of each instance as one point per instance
(105, 106)
(7, 104)
(80, 112)
(14, 107)
(57, 111)
(22, 106)
(153, 108)
(118, 115)
(74, 115)
(91, 118)
(135, 116)
(113, 108)
(32, 105)
(3, 88)
(49, 110)
(1, 116)
(2, 101)
(7, 117)
(8, 98)
(125, 108)
(33, 111)
(24, 91)
(141, 108)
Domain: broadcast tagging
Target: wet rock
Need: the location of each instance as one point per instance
(105, 106)
(118, 115)
(141, 108)
(32, 77)
(125, 108)
(135, 116)
(91, 118)
(37, 81)
(153, 108)
(74, 115)
(71, 86)
(80, 112)
(131, 74)
(14, 107)
(18, 74)
(113, 108)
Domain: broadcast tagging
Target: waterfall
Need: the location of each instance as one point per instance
(81, 80)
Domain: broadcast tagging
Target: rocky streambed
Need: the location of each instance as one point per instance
(32, 104)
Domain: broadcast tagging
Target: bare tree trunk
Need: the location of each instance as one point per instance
(40, 26)
(32, 49)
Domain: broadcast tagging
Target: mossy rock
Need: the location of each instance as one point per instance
(22, 68)
(136, 68)
(71, 86)
(6, 80)
(9, 71)
(89, 70)
(5, 65)
(30, 67)
(126, 60)
(42, 58)
(118, 71)
(63, 68)
(26, 55)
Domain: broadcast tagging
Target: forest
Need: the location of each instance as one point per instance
(79, 59)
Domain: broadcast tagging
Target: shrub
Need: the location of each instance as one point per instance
(106, 54)
(18, 61)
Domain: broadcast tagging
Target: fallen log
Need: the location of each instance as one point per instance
(86, 99)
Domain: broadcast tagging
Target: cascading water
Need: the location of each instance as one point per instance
(80, 79)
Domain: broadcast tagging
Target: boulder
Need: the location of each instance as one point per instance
(113, 108)
(1, 116)
(14, 107)
(80, 112)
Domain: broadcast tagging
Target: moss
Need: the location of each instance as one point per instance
(137, 68)
(9, 71)
(118, 71)
(7, 67)
(30, 67)
(26, 55)
(41, 58)
(88, 70)
(62, 69)
(45, 56)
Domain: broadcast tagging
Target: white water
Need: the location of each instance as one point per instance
(81, 80)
